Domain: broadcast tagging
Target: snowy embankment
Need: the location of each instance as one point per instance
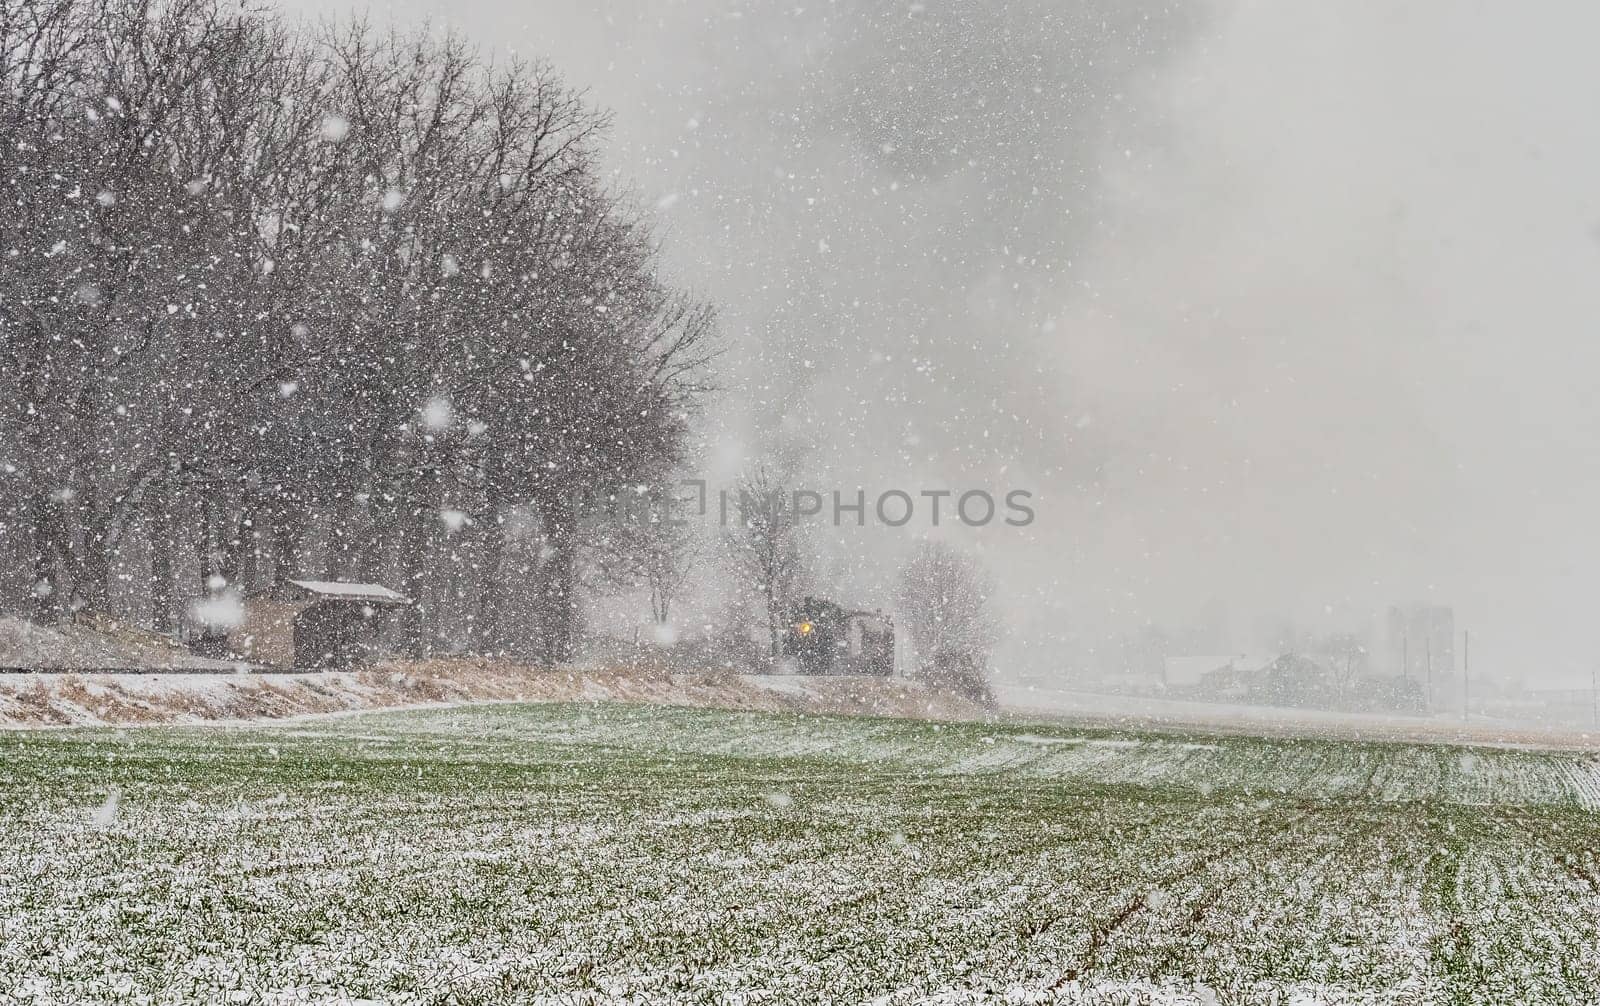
(91, 699)
(81, 674)
(86, 646)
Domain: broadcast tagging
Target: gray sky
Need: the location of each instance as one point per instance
(1282, 303)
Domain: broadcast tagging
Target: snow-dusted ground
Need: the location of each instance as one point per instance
(612, 853)
(1141, 711)
(82, 646)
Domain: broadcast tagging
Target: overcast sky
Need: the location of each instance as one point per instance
(1287, 304)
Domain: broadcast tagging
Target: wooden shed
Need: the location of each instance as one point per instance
(319, 624)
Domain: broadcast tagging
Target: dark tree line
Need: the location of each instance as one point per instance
(278, 301)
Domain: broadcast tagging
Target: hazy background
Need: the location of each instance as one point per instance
(1283, 307)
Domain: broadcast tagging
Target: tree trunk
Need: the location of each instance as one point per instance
(383, 521)
(558, 589)
(91, 580)
(493, 548)
(288, 523)
(413, 552)
(420, 520)
(163, 552)
(660, 603)
(349, 540)
(775, 614)
(48, 528)
(207, 542)
(247, 555)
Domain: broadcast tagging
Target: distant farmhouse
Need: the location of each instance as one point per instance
(1289, 679)
(322, 624)
(1190, 671)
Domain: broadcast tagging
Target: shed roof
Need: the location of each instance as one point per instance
(340, 590)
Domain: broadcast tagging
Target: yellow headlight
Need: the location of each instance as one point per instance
(804, 628)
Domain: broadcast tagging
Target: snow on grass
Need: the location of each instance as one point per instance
(621, 854)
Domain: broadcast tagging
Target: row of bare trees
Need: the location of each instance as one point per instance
(282, 301)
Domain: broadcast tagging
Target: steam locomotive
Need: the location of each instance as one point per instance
(826, 638)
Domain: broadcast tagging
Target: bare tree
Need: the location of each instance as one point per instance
(946, 604)
(643, 539)
(763, 550)
(672, 554)
(1345, 655)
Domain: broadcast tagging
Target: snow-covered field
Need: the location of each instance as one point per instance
(579, 853)
(1043, 699)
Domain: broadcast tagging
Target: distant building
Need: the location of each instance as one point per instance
(314, 624)
(1421, 641)
(1289, 679)
(1185, 671)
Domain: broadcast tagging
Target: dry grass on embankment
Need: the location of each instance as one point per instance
(88, 699)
